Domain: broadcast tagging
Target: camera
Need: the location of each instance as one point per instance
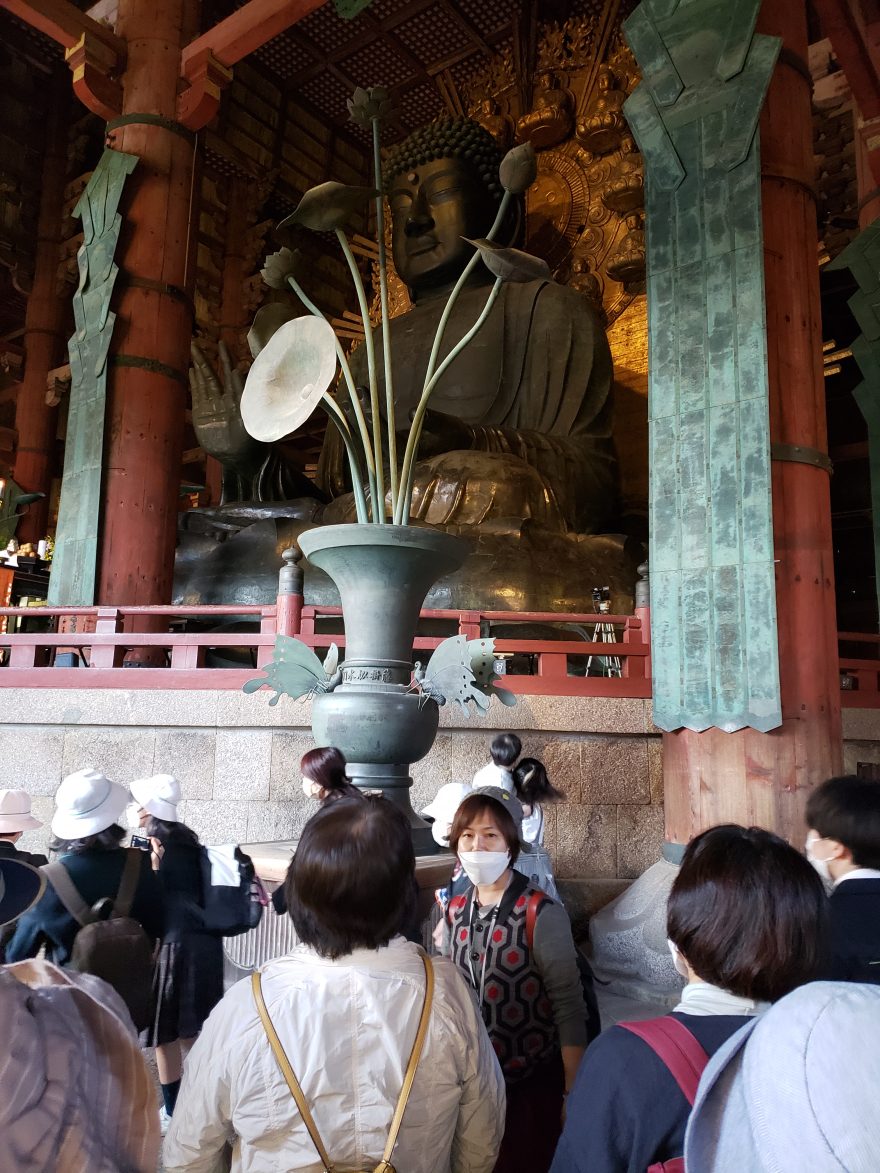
(602, 599)
(141, 842)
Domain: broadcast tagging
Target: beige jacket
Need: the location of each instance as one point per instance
(348, 1027)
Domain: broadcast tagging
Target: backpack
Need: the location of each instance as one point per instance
(676, 1047)
(110, 943)
(594, 1022)
(233, 897)
(296, 1091)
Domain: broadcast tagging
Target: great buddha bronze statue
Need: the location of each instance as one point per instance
(517, 453)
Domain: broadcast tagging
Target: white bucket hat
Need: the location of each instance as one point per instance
(85, 803)
(15, 812)
(795, 1089)
(446, 801)
(159, 795)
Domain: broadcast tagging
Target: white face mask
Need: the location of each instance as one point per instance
(311, 789)
(821, 865)
(677, 959)
(133, 816)
(484, 867)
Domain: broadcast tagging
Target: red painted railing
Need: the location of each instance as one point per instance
(107, 638)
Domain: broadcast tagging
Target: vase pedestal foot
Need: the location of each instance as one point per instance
(394, 782)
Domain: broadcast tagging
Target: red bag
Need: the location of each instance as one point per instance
(675, 1046)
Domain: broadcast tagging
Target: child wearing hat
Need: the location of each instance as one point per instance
(15, 819)
(188, 978)
(88, 840)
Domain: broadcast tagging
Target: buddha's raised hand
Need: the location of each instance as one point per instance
(216, 412)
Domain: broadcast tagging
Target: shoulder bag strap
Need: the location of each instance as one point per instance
(67, 892)
(674, 1045)
(131, 873)
(296, 1091)
(411, 1067)
(287, 1071)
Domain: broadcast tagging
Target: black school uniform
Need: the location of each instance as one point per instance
(855, 931)
(8, 850)
(625, 1110)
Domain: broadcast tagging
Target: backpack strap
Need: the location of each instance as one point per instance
(67, 892)
(676, 1047)
(131, 873)
(296, 1091)
(535, 901)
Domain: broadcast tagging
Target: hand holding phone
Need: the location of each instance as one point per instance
(141, 842)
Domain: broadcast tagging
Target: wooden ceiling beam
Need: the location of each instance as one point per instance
(63, 23)
(465, 25)
(246, 30)
(841, 28)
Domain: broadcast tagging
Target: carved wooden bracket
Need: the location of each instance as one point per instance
(207, 78)
(93, 64)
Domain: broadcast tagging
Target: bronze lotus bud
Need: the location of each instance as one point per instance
(277, 267)
(519, 169)
(367, 104)
(511, 264)
(328, 206)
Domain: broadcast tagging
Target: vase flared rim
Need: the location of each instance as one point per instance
(359, 534)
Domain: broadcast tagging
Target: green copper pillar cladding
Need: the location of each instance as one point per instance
(862, 258)
(713, 597)
(74, 567)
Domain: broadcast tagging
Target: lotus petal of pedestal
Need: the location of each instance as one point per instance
(288, 378)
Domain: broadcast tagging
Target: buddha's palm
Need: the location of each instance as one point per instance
(216, 412)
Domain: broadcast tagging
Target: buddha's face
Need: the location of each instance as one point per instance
(432, 208)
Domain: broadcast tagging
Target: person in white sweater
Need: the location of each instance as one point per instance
(504, 750)
(346, 1005)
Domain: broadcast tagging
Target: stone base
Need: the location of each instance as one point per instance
(628, 939)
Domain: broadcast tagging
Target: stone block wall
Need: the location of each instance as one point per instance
(238, 759)
(238, 762)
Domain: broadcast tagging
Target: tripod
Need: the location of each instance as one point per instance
(603, 633)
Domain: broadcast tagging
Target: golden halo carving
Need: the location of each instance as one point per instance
(557, 207)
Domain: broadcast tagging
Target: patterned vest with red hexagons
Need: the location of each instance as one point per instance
(515, 1006)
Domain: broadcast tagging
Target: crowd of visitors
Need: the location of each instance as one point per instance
(358, 1051)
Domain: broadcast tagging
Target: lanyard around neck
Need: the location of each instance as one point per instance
(481, 985)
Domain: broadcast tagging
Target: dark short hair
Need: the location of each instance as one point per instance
(170, 833)
(748, 912)
(352, 882)
(505, 749)
(532, 785)
(848, 809)
(447, 138)
(477, 804)
(326, 766)
(107, 840)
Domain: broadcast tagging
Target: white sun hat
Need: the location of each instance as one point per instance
(159, 795)
(446, 801)
(15, 812)
(86, 803)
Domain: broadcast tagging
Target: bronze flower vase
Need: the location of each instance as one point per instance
(374, 716)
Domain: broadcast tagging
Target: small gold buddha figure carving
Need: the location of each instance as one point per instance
(625, 190)
(585, 282)
(604, 125)
(551, 118)
(491, 119)
(627, 262)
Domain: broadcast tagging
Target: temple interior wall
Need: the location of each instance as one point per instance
(237, 759)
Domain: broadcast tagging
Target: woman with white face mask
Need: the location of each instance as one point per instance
(513, 944)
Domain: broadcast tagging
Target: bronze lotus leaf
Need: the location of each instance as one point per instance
(288, 378)
(519, 169)
(328, 206)
(277, 267)
(511, 264)
(267, 321)
(367, 104)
